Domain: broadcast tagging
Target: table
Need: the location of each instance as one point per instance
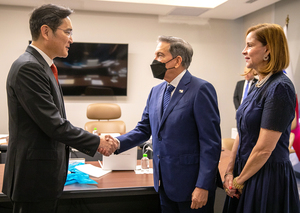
(118, 191)
(114, 183)
(111, 184)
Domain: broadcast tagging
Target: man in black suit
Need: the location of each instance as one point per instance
(241, 87)
(39, 133)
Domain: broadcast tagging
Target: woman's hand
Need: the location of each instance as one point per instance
(228, 186)
(239, 186)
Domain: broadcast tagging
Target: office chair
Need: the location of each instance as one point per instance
(102, 113)
(3, 150)
(227, 143)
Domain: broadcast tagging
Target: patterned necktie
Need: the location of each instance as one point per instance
(246, 90)
(54, 70)
(167, 96)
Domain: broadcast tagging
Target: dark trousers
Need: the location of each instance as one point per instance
(169, 206)
(49, 206)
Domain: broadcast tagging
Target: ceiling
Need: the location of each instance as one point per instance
(232, 9)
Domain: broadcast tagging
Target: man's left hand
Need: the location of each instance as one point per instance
(199, 198)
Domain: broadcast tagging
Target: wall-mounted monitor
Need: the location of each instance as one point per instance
(94, 69)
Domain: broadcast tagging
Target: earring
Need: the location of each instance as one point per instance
(266, 58)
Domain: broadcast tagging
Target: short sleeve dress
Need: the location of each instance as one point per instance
(273, 189)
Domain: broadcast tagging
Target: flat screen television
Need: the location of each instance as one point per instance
(94, 69)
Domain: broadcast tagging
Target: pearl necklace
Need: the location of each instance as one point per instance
(263, 81)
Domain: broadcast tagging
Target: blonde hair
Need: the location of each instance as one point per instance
(273, 36)
(249, 70)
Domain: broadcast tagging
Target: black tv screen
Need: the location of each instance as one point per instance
(94, 69)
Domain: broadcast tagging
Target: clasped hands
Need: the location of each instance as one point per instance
(108, 145)
(229, 188)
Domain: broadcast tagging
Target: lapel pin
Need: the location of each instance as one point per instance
(180, 91)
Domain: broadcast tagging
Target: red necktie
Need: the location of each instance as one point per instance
(54, 70)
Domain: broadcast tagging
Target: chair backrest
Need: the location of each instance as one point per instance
(102, 113)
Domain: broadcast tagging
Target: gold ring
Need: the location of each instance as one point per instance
(226, 190)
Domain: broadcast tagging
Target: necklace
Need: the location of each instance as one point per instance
(263, 81)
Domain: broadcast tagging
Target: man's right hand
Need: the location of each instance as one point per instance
(107, 145)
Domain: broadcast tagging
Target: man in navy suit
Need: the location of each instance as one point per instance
(186, 136)
(39, 133)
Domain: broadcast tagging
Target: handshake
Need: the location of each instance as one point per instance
(108, 145)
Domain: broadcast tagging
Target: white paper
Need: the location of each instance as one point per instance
(3, 138)
(92, 170)
(111, 134)
(139, 170)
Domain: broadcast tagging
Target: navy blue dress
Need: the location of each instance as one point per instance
(273, 189)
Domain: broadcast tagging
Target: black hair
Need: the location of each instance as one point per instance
(48, 14)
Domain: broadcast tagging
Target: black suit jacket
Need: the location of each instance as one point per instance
(39, 134)
(238, 92)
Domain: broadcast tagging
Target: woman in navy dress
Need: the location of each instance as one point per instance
(260, 177)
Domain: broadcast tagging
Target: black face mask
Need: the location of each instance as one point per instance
(159, 69)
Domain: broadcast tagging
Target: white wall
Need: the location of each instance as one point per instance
(14, 37)
(217, 54)
(291, 8)
(277, 14)
(214, 50)
(217, 57)
(265, 15)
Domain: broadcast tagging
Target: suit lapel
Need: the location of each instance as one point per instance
(46, 67)
(181, 89)
(48, 71)
(64, 115)
(52, 78)
(58, 92)
(160, 100)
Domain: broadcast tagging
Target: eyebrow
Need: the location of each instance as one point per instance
(159, 52)
(68, 28)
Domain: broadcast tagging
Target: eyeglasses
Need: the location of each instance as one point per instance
(69, 33)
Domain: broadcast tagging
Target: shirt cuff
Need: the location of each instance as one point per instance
(118, 142)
